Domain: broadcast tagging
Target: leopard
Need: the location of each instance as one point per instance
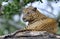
(38, 21)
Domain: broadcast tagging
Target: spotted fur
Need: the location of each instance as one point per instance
(38, 21)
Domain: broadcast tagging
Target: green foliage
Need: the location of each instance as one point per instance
(7, 29)
(27, 1)
(8, 11)
(16, 1)
(11, 9)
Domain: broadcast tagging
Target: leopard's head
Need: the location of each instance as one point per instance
(30, 14)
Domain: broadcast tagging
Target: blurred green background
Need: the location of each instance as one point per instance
(8, 11)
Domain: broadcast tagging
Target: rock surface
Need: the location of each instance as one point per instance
(31, 35)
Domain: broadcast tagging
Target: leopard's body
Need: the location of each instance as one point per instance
(38, 21)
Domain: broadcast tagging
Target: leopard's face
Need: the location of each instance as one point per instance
(29, 14)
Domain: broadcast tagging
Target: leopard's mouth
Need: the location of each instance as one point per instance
(25, 20)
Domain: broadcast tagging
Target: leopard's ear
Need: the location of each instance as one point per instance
(34, 9)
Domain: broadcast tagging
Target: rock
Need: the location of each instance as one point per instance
(31, 35)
